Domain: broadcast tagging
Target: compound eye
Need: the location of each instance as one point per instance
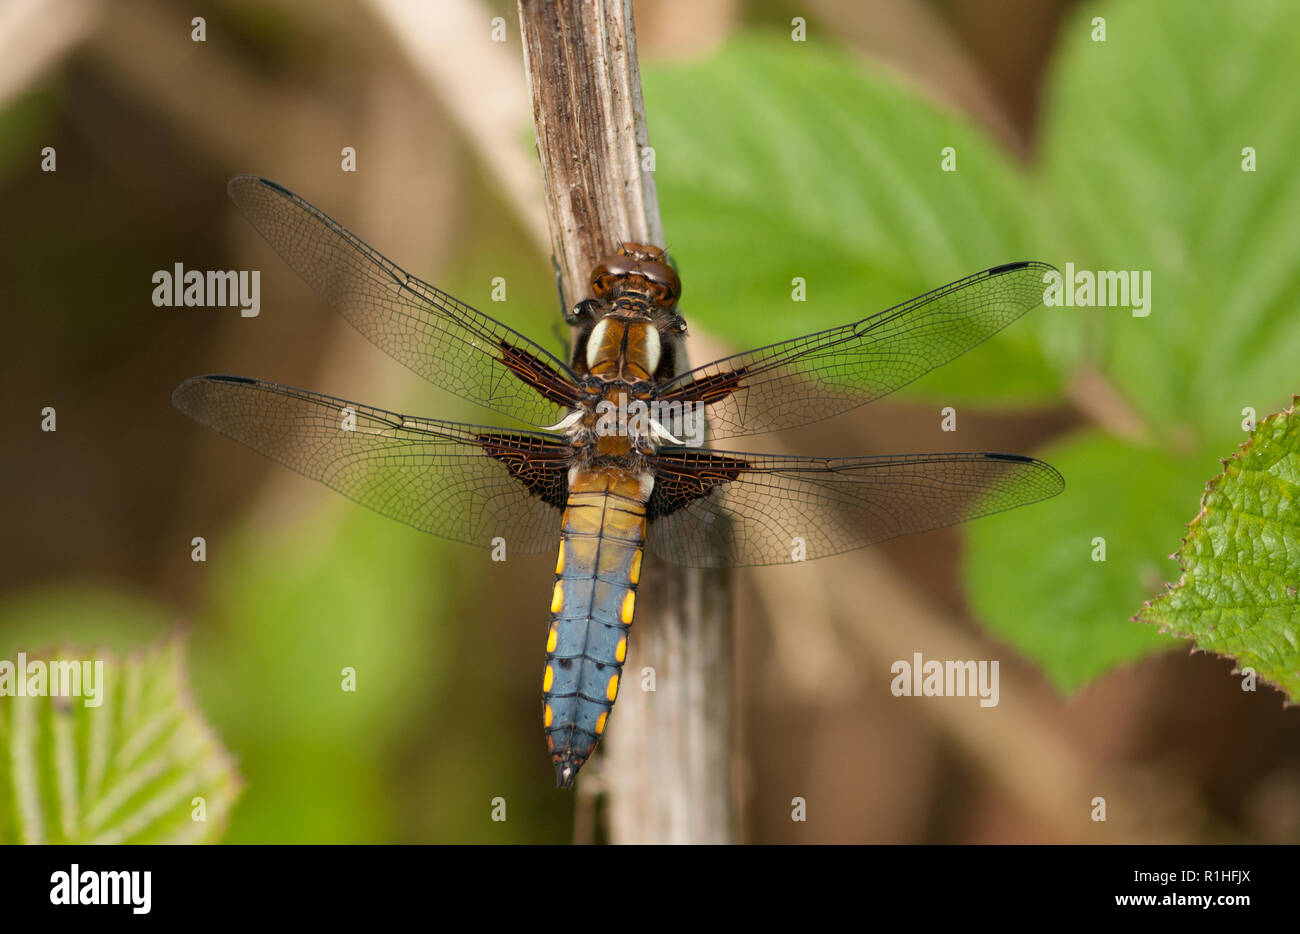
(667, 286)
(607, 271)
(662, 273)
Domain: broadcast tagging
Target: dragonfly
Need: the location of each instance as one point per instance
(608, 457)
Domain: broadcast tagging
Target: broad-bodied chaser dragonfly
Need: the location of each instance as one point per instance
(608, 486)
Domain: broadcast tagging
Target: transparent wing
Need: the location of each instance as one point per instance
(467, 483)
(444, 340)
(813, 377)
(725, 509)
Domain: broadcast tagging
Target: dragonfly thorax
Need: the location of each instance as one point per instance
(624, 348)
(617, 420)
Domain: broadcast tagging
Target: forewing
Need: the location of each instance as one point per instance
(467, 483)
(809, 378)
(726, 509)
(444, 340)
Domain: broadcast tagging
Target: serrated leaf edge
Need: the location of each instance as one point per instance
(1242, 450)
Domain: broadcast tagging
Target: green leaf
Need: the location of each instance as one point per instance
(337, 588)
(1143, 146)
(1239, 594)
(776, 160)
(1031, 573)
(124, 770)
(1142, 149)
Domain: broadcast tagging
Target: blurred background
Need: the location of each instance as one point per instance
(774, 159)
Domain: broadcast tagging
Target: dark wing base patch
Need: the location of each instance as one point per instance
(539, 375)
(522, 457)
(684, 476)
(708, 388)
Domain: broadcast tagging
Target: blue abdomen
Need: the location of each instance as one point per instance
(591, 613)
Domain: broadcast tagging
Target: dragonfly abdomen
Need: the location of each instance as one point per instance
(597, 571)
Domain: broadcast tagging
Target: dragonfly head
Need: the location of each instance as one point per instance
(637, 269)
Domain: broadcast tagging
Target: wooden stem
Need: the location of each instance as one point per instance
(665, 764)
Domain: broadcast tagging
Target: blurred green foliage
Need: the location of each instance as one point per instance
(1033, 578)
(778, 160)
(1142, 145)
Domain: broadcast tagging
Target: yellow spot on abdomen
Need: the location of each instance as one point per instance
(559, 562)
(635, 575)
(557, 597)
(620, 653)
(600, 724)
(548, 716)
(548, 679)
(551, 639)
(629, 605)
(611, 689)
